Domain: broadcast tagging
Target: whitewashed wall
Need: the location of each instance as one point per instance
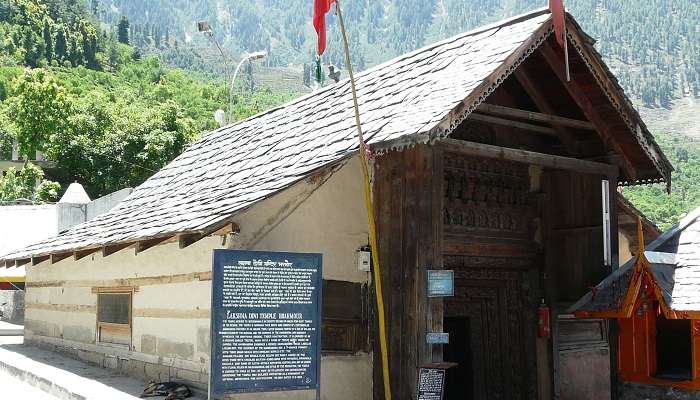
(170, 336)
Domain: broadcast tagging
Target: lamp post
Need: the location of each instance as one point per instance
(258, 55)
(205, 28)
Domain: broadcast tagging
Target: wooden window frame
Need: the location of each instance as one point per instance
(123, 329)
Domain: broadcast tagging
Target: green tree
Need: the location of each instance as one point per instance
(39, 109)
(61, 46)
(89, 44)
(48, 41)
(33, 47)
(75, 52)
(123, 30)
(27, 184)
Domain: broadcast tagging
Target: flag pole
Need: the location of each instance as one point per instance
(370, 216)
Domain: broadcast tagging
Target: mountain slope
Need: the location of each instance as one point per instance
(652, 45)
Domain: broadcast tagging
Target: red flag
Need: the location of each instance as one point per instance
(556, 7)
(321, 7)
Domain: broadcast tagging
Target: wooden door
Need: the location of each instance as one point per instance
(491, 297)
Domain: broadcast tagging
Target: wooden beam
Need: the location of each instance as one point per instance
(573, 87)
(113, 248)
(529, 157)
(187, 239)
(475, 116)
(226, 229)
(56, 257)
(22, 261)
(144, 245)
(39, 259)
(503, 111)
(535, 91)
(78, 254)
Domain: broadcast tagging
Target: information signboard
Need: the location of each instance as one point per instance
(431, 384)
(437, 338)
(441, 283)
(265, 333)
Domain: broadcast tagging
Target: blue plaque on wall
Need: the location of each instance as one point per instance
(441, 283)
(265, 321)
(437, 338)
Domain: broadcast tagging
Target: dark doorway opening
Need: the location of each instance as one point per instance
(459, 383)
(673, 349)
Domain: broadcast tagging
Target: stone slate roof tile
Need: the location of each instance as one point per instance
(415, 98)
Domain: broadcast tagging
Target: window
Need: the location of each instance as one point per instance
(674, 354)
(344, 317)
(114, 317)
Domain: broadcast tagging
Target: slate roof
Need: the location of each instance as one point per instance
(416, 98)
(675, 262)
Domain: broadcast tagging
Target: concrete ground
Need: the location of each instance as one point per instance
(55, 376)
(8, 329)
(13, 388)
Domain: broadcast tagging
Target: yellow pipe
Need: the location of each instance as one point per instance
(370, 218)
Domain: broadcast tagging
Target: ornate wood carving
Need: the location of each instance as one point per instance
(486, 197)
(497, 295)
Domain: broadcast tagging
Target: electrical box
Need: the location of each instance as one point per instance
(364, 259)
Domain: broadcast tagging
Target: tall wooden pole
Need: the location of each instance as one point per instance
(370, 217)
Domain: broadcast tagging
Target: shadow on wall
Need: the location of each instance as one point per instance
(12, 306)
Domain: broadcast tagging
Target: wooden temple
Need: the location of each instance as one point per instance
(493, 158)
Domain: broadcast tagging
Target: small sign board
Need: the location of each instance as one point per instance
(437, 338)
(431, 384)
(265, 321)
(441, 283)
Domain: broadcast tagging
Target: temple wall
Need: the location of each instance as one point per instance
(172, 288)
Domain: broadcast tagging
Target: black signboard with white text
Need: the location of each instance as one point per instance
(431, 384)
(266, 314)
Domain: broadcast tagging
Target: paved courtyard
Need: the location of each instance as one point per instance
(29, 373)
(13, 388)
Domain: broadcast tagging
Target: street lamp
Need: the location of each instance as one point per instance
(205, 28)
(258, 55)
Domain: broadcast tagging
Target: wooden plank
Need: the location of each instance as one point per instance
(144, 245)
(56, 257)
(536, 93)
(230, 227)
(113, 248)
(548, 117)
(187, 239)
(573, 87)
(78, 254)
(22, 261)
(436, 304)
(528, 157)
(475, 116)
(39, 259)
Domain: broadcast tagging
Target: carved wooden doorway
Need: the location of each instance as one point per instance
(488, 228)
(491, 303)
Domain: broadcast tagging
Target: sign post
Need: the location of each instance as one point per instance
(265, 322)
